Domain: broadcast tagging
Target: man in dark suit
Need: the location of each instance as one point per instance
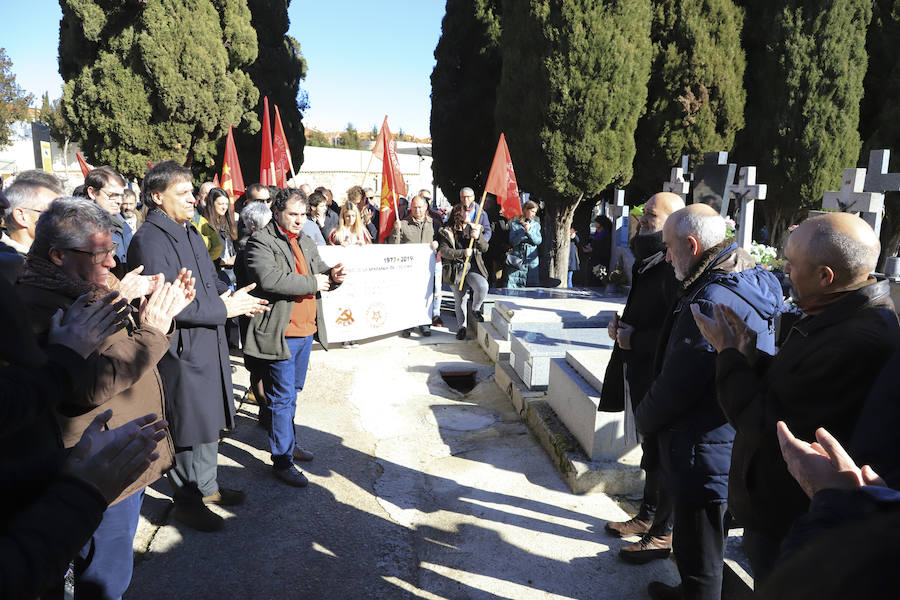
(196, 372)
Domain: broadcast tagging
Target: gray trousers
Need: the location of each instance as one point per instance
(479, 287)
(193, 474)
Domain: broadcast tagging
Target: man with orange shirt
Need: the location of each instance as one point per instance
(289, 273)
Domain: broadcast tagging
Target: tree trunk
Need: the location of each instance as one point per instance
(557, 222)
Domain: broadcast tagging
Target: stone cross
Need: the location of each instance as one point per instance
(712, 180)
(680, 180)
(853, 198)
(747, 191)
(877, 177)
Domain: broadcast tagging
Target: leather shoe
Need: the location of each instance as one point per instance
(198, 516)
(425, 330)
(291, 476)
(461, 333)
(437, 322)
(405, 333)
(301, 454)
(633, 526)
(648, 548)
(660, 591)
(226, 497)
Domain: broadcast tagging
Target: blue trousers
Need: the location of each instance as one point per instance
(282, 379)
(103, 567)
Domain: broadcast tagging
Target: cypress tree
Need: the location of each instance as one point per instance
(696, 90)
(806, 62)
(156, 80)
(277, 71)
(463, 91)
(879, 119)
(573, 84)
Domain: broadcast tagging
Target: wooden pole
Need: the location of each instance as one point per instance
(366, 174)
(462, 277)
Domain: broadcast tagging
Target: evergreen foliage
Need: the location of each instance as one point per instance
(51, 115)
(277, 71)
(573, 85)
(463, 92)
(14, 101)
(157, 79)
(349, 138)
(696, 89)
(314, 137)
(806, 62)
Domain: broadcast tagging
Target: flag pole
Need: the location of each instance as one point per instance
(366, 174)
(462, 277)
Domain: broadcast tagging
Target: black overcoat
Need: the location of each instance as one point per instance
(196, 372)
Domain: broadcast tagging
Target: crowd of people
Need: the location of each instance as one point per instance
(744, 424)
(121, 311)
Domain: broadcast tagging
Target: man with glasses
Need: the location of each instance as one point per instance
(28, 197)
(467, 197)
(106, 188)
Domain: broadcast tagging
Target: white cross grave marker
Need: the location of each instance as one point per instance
(679, 181)
(747, 191)
(851, 198)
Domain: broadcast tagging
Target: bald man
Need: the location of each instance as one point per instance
(653, 289)
(819, 378)
(680, 408)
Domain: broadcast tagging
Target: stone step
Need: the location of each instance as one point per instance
(494, 346)
(508, 315)
(590, 364)
(518, 392)
(531, 351)
(602, 435)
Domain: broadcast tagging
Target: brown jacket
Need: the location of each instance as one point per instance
(123, 377)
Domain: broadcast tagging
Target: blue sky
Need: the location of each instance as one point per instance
(365, 59)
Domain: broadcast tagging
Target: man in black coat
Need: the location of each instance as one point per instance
(637, 332)
(820, 377)
(196, 371)
(681, 409)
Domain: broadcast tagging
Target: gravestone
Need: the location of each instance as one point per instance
(712, 180)
(531, 349)
(618, 212)
(852, 198)
(679, 181)
(747, 191)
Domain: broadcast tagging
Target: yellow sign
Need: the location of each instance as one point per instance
(46, 158)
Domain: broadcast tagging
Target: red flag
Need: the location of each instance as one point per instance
(391, 182)
(266, 160)
(281, 153)
(501, 181)
(387, 141)
(232, 180)
(85, 168)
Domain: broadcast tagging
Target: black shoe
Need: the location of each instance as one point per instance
(479, 316)
(425, 330)
(198, 516)
(405, 333)
(437, 322)
(461, 333)
(660, 591)
(291, 476)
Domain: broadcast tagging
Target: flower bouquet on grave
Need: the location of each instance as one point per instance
(765, 256)
(730, 226)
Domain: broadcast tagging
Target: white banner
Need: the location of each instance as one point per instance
(389, 287)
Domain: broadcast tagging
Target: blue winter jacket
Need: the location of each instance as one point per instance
(695, 439)
(525, 246)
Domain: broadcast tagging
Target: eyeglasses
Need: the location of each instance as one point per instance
(99, 256)
(113, 197)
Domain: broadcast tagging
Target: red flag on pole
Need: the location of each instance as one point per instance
(266, 160)
(387, 141)
(85, 168)
(501, 181)
(216, 180)
(391, 182)
(232, 180)
(281, 153)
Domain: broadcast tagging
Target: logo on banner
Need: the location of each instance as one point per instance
(375, 315)
(345, 317)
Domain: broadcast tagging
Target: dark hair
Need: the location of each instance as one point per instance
(225, 222)
(287, 195)
(326, 192)
(252, 190)
(457, 216)
(68, 223)
(356, 194)
(160, 177)
(100, 176)
(315, 199)
(604, 221)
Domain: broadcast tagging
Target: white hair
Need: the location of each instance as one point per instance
(708, 229)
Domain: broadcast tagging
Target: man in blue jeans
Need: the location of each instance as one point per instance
(288, 272)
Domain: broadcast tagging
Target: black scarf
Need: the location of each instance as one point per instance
(649, 250)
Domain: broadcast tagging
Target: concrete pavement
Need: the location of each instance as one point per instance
(416, 491)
